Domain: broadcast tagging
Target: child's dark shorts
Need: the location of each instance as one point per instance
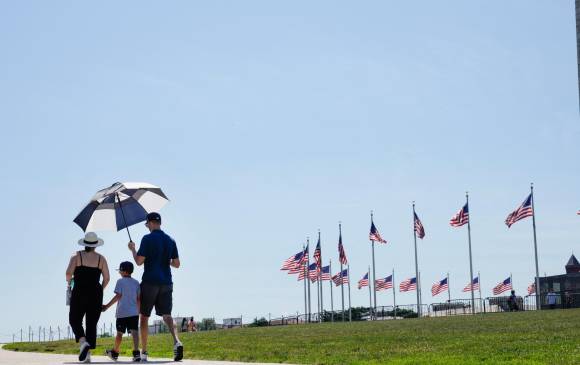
(127, 324)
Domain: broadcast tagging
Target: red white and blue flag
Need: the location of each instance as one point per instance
(523, 211)
(341, 253)
(384, 283)
(474, 285)
(374, 235)
(439, 287)
(419, 227)
(300, 266)
(503, 286)
(341, 278)
(293, 261)
(364, 281)
(312, 273)
(325, 273)
(461, 218)
(408, 285)
(318, 254)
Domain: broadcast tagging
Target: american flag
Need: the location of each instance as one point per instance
(439, 287)
(524, 210)
(364, 281)
(374, 235)
(292, 261)
(325, 273)
(341, 277)
(341, 253)
(384, 283)
(503, 286)
(531, 288)
(299, 266)
(461, 218)
(474, 285)
(419, 227)
(408, 285)
(312, 273)
(318, 254)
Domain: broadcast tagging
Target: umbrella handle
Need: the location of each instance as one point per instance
(123, 214)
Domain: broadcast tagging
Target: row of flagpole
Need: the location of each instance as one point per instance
(461, 218)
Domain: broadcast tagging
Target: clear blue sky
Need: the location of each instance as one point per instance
(264, 122)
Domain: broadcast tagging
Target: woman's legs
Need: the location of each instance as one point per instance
(75, 317)
(92, 319)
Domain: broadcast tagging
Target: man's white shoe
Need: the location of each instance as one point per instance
(178, 351)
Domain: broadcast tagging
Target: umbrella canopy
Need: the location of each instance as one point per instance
(119, 206)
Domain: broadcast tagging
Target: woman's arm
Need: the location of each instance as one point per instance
(105, 270)
(71, 268)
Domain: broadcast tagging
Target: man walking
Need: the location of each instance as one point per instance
(159, 253)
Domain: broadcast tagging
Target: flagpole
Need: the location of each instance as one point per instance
(448, 289)
(416, 266)
(305, 299)
(331, 298)
(307, 278)
(370, 295)
(394, 296)
(349, 306)
(537, 281)
(320, 280)
(341, 283)
(374, 273)
(479, 283)
(470, 259)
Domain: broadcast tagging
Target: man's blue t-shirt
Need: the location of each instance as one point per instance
(158, 249)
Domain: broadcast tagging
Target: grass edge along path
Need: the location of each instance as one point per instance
(543, 337)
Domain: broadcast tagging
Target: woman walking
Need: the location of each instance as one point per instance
(84, 275)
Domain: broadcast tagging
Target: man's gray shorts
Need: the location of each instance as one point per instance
(159, 296)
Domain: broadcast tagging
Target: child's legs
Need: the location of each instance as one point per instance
(135, 335)
(118, 341)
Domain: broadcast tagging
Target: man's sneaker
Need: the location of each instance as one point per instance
(177, 351)
(143, 356)
(112, 354)
(137, 356)
(84, 351)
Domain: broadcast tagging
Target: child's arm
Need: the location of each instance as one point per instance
(113, 301)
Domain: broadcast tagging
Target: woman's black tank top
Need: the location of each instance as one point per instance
(86, 278)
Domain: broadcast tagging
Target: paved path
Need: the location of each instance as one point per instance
(33, 358)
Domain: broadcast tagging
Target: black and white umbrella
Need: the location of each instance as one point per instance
(119, 206)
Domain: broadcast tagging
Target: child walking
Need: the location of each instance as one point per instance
(127, 297)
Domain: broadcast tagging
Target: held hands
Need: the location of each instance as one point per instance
(104, 308)
(131, 245)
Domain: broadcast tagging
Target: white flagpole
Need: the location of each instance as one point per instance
(331, 298)
(416, 266)
(394, 296)
(537, 281)
(349, 306)
(470, 259)
(341, 283)
(374, 273)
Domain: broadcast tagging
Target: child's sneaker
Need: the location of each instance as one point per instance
(144, 356)
(84, 351)
(112, 354)
(137, 356)
(177, 351)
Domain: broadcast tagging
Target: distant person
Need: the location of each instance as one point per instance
(159, 253)
(551, 298)
(191, 325)
(513, 302)
(127, 297)
(184, 325)
(83, 273)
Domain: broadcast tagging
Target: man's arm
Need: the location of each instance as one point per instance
(175, 263)
(139, 260)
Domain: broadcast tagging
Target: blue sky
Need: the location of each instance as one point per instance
(264, 122)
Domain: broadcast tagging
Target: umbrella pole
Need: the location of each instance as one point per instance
(123, 214)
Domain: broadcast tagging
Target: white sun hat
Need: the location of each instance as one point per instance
(91, 240)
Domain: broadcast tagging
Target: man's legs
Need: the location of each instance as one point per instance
(144, 332)
(169, 322)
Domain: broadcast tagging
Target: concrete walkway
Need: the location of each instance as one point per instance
(33, 358)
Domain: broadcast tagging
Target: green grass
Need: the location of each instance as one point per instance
(546, 337)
